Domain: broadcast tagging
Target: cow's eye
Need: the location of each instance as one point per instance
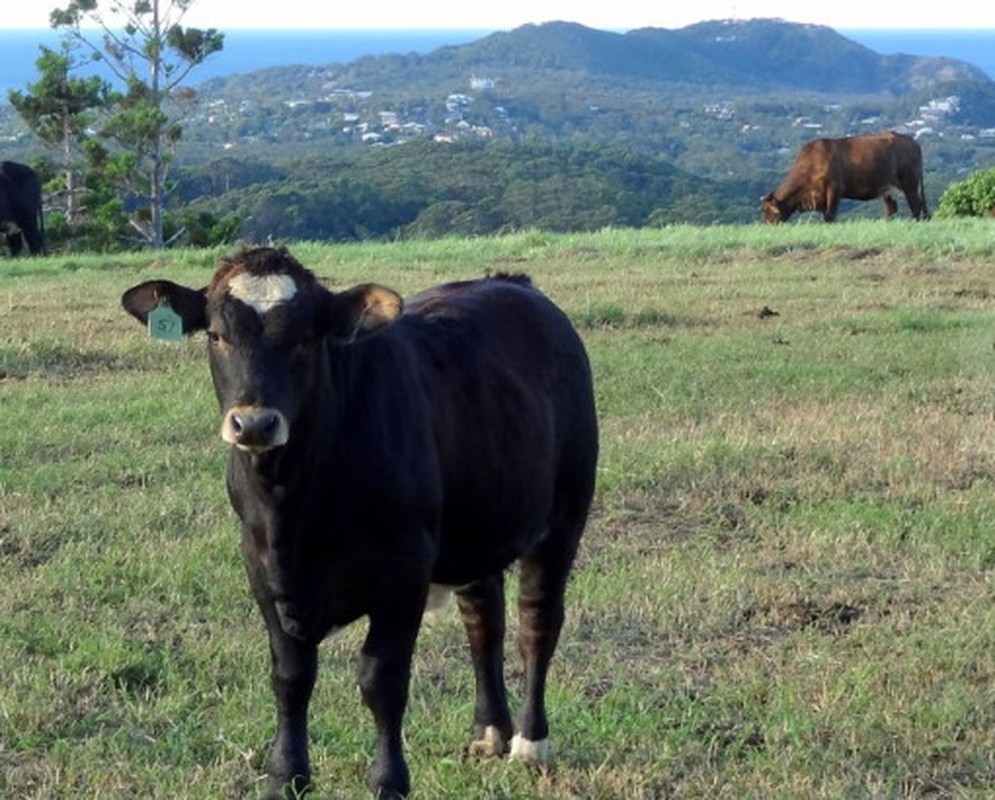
(215, 338)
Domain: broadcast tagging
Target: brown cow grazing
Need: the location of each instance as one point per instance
(856, 168)
(378, 449)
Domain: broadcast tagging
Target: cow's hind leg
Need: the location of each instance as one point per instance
(482, 607)
(890, 206)
(543, 579)
(916, 198)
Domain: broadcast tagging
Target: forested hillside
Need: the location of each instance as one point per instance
(464, 188)
(563, 127)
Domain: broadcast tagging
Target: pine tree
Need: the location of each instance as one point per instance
(149, 51)
(60, 109)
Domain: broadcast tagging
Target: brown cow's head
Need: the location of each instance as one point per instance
(267, 319)
(773, 210)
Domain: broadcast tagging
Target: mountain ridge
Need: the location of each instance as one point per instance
(755, 53)
(564, 127)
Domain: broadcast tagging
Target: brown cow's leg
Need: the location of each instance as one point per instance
(916, 198)
(922, 211)
(482, 608)
(832, 206)
(890, 206)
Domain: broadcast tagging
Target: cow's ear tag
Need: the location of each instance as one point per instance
(165, 324)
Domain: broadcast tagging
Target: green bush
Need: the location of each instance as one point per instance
(972, 197)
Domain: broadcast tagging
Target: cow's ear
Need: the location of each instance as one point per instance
(189, 304)
(361, 310)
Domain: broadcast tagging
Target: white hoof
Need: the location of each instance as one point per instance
(534, 754)
(491, 745)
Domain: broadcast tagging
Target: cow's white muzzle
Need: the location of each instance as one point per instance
(255, 429)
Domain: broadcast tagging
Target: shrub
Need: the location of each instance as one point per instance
(972, 197)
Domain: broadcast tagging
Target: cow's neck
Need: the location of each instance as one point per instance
(282, 473)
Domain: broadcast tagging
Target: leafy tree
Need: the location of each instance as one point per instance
(203, 229)
(59, 109)
(150, 53)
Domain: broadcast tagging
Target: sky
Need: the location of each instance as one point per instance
(507, 14)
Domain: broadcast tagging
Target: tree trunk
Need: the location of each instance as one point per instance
(156, 193)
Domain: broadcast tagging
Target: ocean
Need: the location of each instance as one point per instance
(246, 50)
(249, 50)
(973, 46)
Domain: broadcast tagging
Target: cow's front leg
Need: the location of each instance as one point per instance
(384, 674)
(831, 199)
(295, 666)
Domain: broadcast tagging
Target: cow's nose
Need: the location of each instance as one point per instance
(254, 428)
(250, 426)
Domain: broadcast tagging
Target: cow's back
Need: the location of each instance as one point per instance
(865, 166)
(509, 385)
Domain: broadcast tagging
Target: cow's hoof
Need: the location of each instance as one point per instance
(295, 789)
(491, 745)
(392, 783)
(535, 754)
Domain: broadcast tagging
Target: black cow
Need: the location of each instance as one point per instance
(21, 217)
(377, 451)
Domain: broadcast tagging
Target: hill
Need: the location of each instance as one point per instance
(562, 126)
(749, 54)
(717, 98)
(767, 54)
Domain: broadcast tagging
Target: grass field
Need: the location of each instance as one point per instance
(785, 591)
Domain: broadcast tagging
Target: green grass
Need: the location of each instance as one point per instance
(786, 588)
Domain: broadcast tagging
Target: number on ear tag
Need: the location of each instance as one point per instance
(164, 323)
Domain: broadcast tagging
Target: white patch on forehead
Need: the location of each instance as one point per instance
(262, 292)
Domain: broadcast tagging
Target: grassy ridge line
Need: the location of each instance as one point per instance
(938, 238)
(785, 590)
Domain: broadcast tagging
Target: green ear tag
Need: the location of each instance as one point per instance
(164, 323)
